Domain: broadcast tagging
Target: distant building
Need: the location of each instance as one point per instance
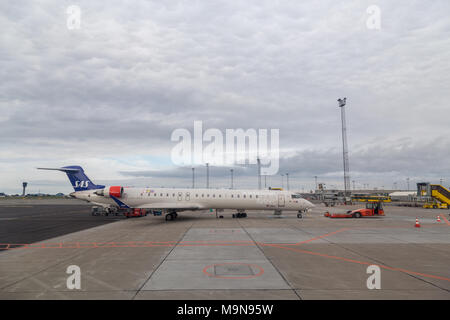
(403, 195)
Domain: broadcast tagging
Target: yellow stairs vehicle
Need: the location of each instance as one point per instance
(437, 196)
(435, 205)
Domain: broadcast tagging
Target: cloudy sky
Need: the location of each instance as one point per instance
(107, 96)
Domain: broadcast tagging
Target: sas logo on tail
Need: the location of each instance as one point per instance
(81, 184)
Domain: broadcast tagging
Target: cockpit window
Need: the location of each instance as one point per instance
(295, 196)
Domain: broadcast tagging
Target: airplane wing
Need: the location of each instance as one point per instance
(175, 206)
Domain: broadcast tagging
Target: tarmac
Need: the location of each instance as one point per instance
(32, 220)
(198, 256)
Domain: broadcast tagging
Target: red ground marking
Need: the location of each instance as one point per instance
(11, 246)
(143, 244)
(322, 236)
(217, 241)
(359, 262)
(446, 221)
(261, 270)
(223, 243)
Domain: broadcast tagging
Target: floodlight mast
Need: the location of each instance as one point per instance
(259, 173)
(231, 172)
(342, 103)
(207, 175)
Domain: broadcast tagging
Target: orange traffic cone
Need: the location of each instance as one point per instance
(438, 219)
(417, 223)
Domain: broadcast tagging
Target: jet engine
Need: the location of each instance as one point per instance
(115, 191)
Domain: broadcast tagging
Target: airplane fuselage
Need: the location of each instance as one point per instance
(195, 199)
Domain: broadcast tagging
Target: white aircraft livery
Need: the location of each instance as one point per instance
(173, 200)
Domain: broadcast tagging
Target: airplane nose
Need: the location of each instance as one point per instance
(309, 205)
(72, 194)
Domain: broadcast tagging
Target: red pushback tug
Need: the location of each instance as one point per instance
(135, 213)
(371, 209)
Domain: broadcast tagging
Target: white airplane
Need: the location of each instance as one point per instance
(173, 200)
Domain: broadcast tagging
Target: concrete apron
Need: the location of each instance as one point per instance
(234, 264)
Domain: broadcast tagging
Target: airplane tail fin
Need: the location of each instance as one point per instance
(77, 177)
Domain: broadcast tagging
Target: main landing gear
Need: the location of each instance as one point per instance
(239, 215)
(299, 214)
(171, 216)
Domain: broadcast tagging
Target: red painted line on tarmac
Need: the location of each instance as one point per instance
(144, 244)
(427, 225)
(218, 244)
(359, 262)
(323, 236)
(129, 244)
(446, 221)
(14, 246)
(309, 240)
(213, 242)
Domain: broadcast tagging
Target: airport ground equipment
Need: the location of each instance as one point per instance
(156, 212)
(97, 211)
(330, 199)
(135, 212)
(371, 209)
(280, 212)
(370, 198)
(435, 205)
(435, 195)
(104, 211)
(441, 193)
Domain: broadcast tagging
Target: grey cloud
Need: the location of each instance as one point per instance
(133, 73)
